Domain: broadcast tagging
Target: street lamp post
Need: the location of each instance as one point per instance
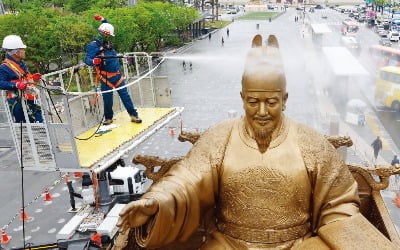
(217, 9)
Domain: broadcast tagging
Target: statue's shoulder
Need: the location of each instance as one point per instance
(225, 125)
(316, 150)
(220, 131)
(309, 138)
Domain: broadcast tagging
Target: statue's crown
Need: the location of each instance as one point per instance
(264, 61)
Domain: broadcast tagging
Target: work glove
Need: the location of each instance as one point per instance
(36, 77)
(98, 17)
(21, 85)
(96, 61)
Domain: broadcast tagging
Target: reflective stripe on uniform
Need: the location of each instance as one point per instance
(104, 76)
(22, 75)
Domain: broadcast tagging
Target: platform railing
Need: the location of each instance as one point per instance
(141, 77)
(40, 145)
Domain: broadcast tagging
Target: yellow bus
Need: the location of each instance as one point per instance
(387, 91)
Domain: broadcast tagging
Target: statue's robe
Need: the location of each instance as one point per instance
(271, 200)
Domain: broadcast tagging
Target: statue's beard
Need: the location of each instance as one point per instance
(263, 138)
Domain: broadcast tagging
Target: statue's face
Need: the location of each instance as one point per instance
(264, 99)
(263, 109)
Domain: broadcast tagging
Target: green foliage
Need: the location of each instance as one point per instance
(381, 2)
(11, 5)
(55, 3)
(78, 6)
(57, 31)
(145, 26)
(181, 16)
(173, 40)
(107, 4)
(72, 33)
(35, 28)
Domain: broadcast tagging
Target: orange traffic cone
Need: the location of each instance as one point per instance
(172, 131)
(23, 215)
(78, 174)
(47, 196)
(4, 237)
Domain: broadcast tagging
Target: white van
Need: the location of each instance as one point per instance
(394, 36)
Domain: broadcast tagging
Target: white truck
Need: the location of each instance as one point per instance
(394, 36)
(127, 180)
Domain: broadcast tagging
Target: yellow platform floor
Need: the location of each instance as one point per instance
(99, 146)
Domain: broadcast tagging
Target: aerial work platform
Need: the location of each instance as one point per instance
(71, 137)
(121, 131)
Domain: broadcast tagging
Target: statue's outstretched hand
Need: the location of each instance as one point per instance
(137, 213)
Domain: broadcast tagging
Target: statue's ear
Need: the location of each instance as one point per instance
(272, 41)
(257, 41)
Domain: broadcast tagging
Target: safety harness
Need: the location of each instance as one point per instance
(22, 76)
(104, 75)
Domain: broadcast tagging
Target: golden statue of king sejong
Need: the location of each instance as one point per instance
(274, 183)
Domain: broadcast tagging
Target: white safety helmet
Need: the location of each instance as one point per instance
(106, 29)
(13, 42)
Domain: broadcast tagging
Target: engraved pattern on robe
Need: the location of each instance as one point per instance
(264, 191)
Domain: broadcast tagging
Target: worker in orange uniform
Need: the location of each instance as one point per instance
(101, 54)
(14, 76)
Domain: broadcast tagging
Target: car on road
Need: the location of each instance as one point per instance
(385, 42)
(351, 43)
(232, 11)
(378, 28)
(394, 36)
(383, 33)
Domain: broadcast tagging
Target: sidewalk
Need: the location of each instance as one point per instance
(361, 152)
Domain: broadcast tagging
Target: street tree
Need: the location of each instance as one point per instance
(125, 26)
(37, 30)
(182, 16)
(11, 5)
(78, 6)
(381, 4)
(72, 33)
(161, 21)
(58, 35)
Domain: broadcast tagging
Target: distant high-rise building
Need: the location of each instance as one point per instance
(132, 2)
(2, 10)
